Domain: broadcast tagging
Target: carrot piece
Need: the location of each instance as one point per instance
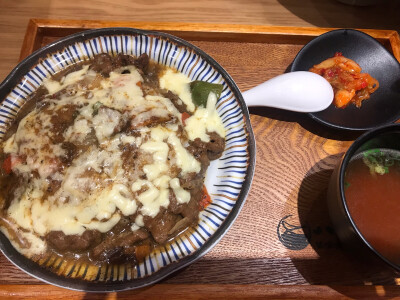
(7, 165)
(10, 162)
(142, 251)
(205, 200)
(185, 116)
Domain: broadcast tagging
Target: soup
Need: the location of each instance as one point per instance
(372, 189)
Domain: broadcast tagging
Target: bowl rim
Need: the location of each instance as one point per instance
(342, 170)
(45, 275)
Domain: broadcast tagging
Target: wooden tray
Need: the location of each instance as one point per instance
(282, 244)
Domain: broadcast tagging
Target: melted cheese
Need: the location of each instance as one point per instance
(158, 182)
(151, 199)
(37, 245)
(139, 221)
(54, 86)
(125, 93)
(74, 218)
(184, 159)
(159, 149)
(178, 83)
(10, 146)
(157, 194)
(34, 143)
(181, 195)
(95, 189)
(118, 197)
(205, 120)
(105, 122)
(79, 131)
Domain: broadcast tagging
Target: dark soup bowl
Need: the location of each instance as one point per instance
(363, 195)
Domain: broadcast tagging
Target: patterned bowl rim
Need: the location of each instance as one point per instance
(47, 276)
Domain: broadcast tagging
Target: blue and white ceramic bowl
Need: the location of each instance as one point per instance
(228, 179)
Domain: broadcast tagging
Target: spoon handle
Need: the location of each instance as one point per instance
(299, 91)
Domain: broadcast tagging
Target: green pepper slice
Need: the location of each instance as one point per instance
(201, 89)
(96, 107)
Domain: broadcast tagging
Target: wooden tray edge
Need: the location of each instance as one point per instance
(37, 28)
(41, 26)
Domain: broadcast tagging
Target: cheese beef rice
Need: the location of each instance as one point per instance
(107, 161)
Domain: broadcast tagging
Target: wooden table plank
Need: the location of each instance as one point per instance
(198, 291)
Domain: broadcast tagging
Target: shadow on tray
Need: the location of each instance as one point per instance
(306, 122)
(334, 266)
(321, 13)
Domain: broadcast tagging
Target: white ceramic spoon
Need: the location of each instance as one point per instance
(299, 91)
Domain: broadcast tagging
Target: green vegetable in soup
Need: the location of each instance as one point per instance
(201, 89)
(346, 184)
(379, 162)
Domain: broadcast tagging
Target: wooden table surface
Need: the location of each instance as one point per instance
(282, 139)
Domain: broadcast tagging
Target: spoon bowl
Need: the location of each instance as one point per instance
(297, 91)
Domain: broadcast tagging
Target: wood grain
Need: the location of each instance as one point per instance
(295, 158)
(198, 291)
(45, 31)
